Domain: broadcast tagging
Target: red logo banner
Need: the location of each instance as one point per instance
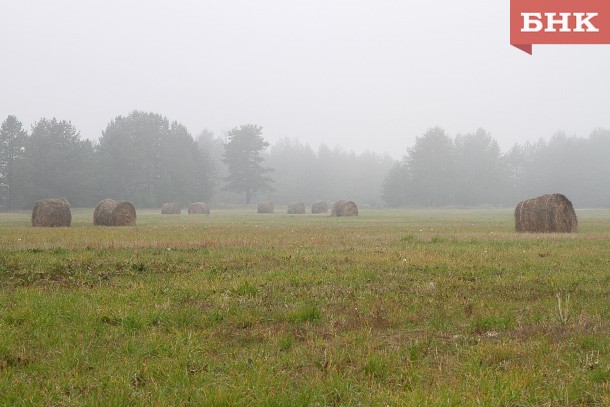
(559, 22)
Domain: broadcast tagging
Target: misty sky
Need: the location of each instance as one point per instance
(362, 74)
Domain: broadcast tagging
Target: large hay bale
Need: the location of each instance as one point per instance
(319, 207)
(51, 213)
(114, 213)
(551, 213)
(296, 208)
(344, 208)
(170, 208)
(265, 207)
(198, 208)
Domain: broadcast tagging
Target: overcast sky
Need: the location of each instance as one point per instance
(363, 74)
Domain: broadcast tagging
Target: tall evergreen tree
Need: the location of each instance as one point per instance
(396, 185)
(148, 160)
(186, 171)
(13, 141)
(479, 177)
(61, 163)
(431, 161)
(594, 169)
(212, 149)
(293, 178)
(244, 161)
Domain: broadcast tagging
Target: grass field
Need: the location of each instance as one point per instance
(393, 307)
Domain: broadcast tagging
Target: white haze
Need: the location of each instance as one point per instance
(362, 74)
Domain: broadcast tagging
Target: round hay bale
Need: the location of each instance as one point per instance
(551, 213)
(344, 208)
(319, 207)
(296, 208)
(265, 207)
(170, 208)
(51, 213)
(198, 208)
(114, 213)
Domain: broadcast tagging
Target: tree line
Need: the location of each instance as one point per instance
(470, 170)
(141, 157)
(298, 173)
(147, 159)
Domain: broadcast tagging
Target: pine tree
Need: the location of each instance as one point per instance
(244, 161)
(61, 162)
(13, 141)
(148, 160)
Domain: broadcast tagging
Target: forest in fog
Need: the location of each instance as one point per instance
(147, 159)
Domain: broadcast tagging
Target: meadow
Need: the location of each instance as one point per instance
(393, 307)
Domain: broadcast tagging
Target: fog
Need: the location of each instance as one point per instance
(361, 74)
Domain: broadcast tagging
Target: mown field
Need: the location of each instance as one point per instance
(394, 307)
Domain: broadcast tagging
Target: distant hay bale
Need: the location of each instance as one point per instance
(198, 208)
(344, 208)
(551, 213)
(296, 208)
(265, 207)
(319, 207)
(170, 208)
(51, 213)
(114, 213)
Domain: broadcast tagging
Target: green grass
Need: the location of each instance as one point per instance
(395, 307)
